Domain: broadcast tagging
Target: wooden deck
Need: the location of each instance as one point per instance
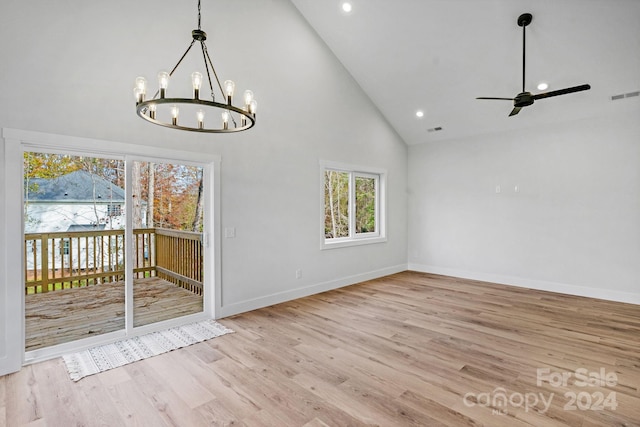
(70, 314)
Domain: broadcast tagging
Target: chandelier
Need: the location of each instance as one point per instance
(169, 112)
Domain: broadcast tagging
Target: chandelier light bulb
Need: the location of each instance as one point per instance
(200, 116)
(152, 111)
(138, 94)
(174, 114)
(141, 82)
(140, 89)
(225, 119)
(229, 87)
(163, 82)
(248, 97)
(253, 106)
(196, 80)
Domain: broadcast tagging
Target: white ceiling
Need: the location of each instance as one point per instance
(439, 55)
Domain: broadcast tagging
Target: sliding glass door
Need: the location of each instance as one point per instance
(109, 245)
(74, 247)
(168, 211)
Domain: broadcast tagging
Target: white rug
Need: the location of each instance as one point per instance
(105, 357)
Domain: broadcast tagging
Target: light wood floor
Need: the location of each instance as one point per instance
(70, 314)
(401, 350)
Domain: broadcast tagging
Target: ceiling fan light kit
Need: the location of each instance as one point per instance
(525, 98)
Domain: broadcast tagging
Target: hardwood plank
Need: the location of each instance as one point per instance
(23, 397)
(315, 423)
(134, 407)
(179, 380)
(173, 400)
(404, 350)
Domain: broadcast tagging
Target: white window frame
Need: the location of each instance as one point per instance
(355, 239)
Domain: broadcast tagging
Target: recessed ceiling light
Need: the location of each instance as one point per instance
(542, 86)
(419, 113)
(347, 7)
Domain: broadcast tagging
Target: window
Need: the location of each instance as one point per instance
(114, 210)
(353, 205)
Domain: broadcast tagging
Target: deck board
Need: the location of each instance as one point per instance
(70, 314)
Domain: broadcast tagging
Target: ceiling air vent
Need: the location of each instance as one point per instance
(625, 95)
(435, 129)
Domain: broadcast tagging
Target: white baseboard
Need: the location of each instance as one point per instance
(253, 304)
(562, 288)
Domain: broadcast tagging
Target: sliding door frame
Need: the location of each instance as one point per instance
(12, 325)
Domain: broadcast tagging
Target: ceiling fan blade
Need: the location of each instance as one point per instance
(515, 111)
(561, 92)
(499, 99)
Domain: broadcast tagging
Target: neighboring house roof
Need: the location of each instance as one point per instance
(76, 187)
(86, 227)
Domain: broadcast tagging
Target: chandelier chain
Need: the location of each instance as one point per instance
(182, 57)
(206, 67)
(199, 15)
(205, 53)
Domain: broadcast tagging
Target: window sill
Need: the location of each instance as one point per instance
(342, 243)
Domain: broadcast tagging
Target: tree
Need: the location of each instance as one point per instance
(44, 165)
(151, 179)
(197, 216)
(336, 204)
(365, 204)
(136, 190)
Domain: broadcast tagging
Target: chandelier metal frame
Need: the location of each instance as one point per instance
(146, 109)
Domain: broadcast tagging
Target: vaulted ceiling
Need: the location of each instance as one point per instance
(439, 55)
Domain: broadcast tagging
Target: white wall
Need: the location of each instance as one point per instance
(3, 269)
(573, 226)
(73, 75)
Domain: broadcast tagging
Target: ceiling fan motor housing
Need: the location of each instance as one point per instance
(523, 99)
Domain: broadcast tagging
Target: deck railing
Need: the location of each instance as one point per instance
(62, 260)
(179, 258)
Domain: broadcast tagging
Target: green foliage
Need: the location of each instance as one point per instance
(44, 165)
(336, 204)
(175, 194)
(337, 210)
(365, 205)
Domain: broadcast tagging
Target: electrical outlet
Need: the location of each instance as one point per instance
(299, 273)
(497, 189)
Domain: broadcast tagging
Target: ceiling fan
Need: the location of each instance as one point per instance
(525, 98)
